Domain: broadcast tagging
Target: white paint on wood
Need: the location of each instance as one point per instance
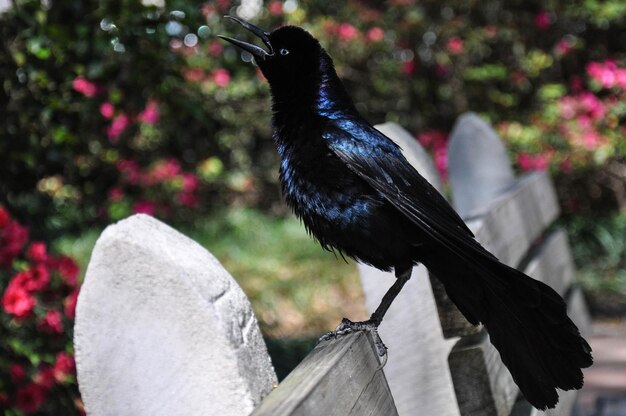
(339, 377)
(552, 263)
(478, 164)
(162, 329)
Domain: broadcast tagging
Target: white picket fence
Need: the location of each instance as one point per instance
(162, 329)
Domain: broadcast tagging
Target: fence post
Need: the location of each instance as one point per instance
(417, 369)
(162, 329)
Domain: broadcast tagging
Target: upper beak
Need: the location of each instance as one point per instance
(256, 51)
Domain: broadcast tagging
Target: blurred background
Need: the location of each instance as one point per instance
(109, 108)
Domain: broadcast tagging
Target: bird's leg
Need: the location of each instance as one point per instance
(347, 326)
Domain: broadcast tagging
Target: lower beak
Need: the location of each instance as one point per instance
(257, 52)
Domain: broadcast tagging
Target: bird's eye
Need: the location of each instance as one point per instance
(284, 51)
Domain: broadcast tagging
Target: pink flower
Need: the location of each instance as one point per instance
(543, 19)
(347, 32)
(221, 77)
(567, 106)
(441, 161)
(130, 171)
(69, 305)
(29, 398)
(150, 114)
(193, 74)
(591, 139)
(604, 73)
(85, 87)
(45, 378)
(455, 45)
(163, 170)
(68, 269)
(433, 139)
(4, 217)
(117, 127)
(17, 373)
(63, 366)
(375, 34)
(144, 207)
(190, 182)
(563, 47)
(620, 78)
(215, 48)
(17, 301)
(13, 237)
(409, 67)
(116, 194)
(39, 278)
(275, 8)
(592, 105)
(51, 323)
(107, 110)
(188, 199)
(528, 162)
(37, 252)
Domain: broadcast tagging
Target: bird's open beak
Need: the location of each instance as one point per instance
(257, 52)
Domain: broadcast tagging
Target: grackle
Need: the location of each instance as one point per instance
(357, 194)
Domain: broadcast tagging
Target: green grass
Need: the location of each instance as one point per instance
(297, 289)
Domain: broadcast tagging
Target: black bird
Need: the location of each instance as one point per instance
(356, 193)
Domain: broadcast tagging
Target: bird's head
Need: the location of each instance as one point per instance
(292, 57)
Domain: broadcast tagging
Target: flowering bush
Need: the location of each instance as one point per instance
(39, 292)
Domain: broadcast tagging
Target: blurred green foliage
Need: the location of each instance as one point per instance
(417, 63)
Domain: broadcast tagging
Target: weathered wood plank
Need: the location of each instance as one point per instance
(483, 385)
(552, 263)
(478, 164)
(511, 222)
(339, 377)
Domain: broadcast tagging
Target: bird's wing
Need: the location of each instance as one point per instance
(379, 161)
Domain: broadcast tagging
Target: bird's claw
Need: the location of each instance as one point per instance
(347, 327)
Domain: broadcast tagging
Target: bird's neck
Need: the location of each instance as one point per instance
(321, 94)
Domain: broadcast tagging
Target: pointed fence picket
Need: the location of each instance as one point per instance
(159, 333)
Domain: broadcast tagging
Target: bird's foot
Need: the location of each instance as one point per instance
(347, 327)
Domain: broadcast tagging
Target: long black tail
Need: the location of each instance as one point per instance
(527, 322)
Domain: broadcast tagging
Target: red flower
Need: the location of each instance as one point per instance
(347, 32)
(215, 48)
(39, 278)
(51, 323)
(375, 34)
(116, 194)
(12, 239)
(543, 19)
(151, 114)
(30, 397)
(4, 400)
(107, 110)
(68, 269)
(144, 207)
(188, 199)
(17, 301)
(408, 67)
(45, 378)
(37, 252)
(4, 217)
(85, 87)
(69, 306)
(221, 77)
(275, 8)
(117, 127)
(17, 373)
(63, 366)
(455, 45)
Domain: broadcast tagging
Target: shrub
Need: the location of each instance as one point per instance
(39, 292)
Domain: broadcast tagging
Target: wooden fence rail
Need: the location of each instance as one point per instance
(163, 329)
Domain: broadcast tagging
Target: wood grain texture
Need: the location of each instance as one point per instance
(339, 377)
(552, 263)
